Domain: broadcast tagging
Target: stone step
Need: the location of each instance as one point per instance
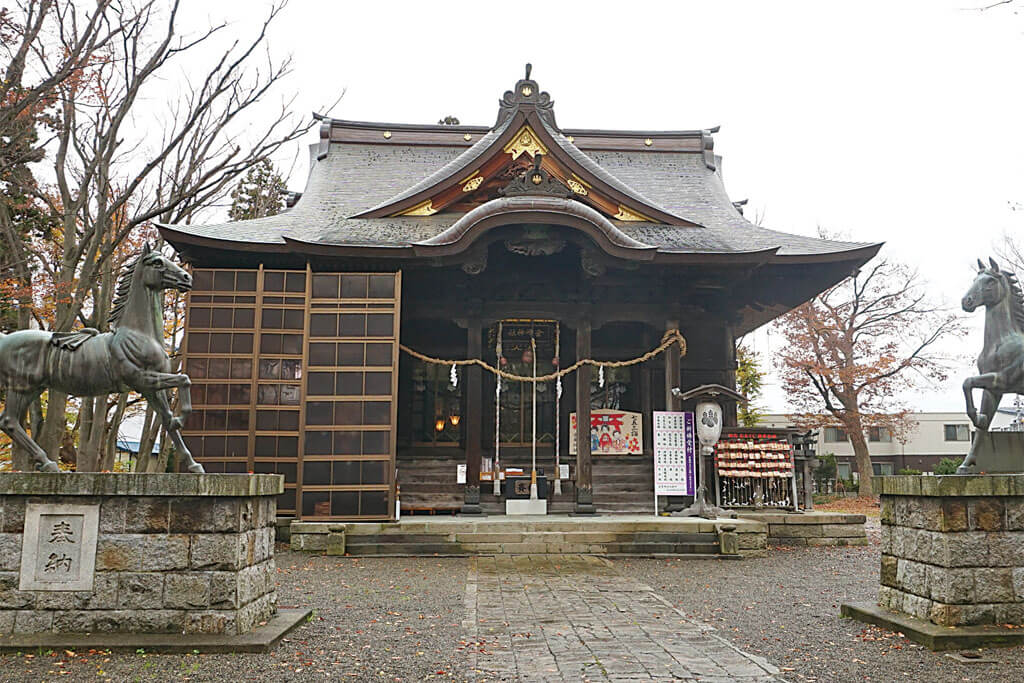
(532, 548)
(641, 537)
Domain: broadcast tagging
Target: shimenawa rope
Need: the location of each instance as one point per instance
(670, 337)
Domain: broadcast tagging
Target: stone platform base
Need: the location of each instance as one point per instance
(953, 548)
(261, 639)
(811, 528)
(472, 535)
(526, 507)
(169, 553)
(933, 636)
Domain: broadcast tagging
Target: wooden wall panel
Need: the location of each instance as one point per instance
(296, 373)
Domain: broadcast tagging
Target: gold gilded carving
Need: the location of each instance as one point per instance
(422, 209)
(625, 214)
(648, 142)
(473, 183)
(525, 140)
(527, 91)
(387, 135)
(467, 137)
(576, 186)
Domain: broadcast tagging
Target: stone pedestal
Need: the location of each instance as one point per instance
(137, 553)
(953, 548)
(526, 506)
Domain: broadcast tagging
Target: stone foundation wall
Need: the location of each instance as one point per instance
(507, 535)
(811, 528)
(174, 553)
(953, 548)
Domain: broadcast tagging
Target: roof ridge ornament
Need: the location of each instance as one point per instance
(526, 95)
(536, 181)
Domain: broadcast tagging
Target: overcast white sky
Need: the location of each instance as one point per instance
(888, 121)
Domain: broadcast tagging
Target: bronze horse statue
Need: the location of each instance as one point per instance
(1001, 362)
(87, 363)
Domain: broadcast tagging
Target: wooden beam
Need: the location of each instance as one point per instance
(584, 470)
(473, 417)
(671, 368)
(672, 380)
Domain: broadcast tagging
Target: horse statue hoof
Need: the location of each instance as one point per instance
(196, 468)
(48, 466)
(963, 469)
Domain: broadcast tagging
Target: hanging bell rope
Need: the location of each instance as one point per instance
(673, 336)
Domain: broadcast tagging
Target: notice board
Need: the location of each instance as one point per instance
(675, 454)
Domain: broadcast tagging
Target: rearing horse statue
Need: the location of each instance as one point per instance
(1001, 362)
(87, 363)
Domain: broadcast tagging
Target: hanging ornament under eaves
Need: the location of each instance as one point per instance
(455, 376)
(600, 376)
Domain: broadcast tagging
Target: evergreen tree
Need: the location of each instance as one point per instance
(749, 379)
(261, 193)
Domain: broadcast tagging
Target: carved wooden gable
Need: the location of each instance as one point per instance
(525, 146)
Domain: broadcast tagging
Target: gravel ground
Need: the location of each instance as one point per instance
(398, 619)
(394, 619)
(786, 609)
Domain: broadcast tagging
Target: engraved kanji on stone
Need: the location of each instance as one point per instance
(56, 562)
(62, 533)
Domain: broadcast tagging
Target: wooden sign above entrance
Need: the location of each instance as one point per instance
(612, 432)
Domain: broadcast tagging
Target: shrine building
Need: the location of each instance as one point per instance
(319, 340)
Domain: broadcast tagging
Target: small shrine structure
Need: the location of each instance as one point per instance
(319, 341)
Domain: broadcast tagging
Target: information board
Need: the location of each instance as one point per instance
(675, 454)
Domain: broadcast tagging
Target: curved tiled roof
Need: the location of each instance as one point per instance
(353, 176)
(467, 158)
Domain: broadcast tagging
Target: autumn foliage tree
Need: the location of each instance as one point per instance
(101, 99)
(857, 349)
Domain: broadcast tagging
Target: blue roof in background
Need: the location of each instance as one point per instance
(133, 446)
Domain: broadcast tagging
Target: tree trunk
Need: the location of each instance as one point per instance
(91, 440)
(86, 422)
(863, 458)
(109, 454)
(55, 424)
(161, 461)
(145, 460)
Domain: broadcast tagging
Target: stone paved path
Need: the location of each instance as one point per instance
(576, 618)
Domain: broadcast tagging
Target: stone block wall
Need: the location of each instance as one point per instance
(175, 553)
(953, 548)
(812, 528)
(508, 535)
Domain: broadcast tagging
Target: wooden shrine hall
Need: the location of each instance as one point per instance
(320, 340)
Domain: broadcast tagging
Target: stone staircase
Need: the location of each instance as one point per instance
(623, 484)
(457, 536)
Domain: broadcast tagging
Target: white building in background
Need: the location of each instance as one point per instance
(935, 436)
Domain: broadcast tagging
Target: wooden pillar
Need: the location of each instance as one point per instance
(647, 408)
(474, 419)
(671, 368)
(584, 471)
(672, 381)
